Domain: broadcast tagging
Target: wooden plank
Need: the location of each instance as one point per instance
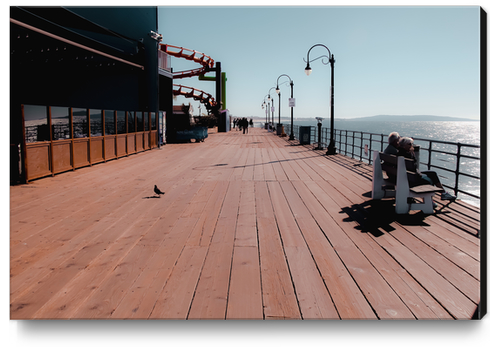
(448, 250)
(307, 160)
(248, 171)
(246, 230)
(126, 256)
(380, 295)
(277, 288)
(455, 302)
(276, 166)
(296, 156)
(203, 231)
(314, 299)
(348, 299)
(285, 219)
(245, 296)
(458, 305)
(470, 246)
(319, 164)
(258, 166)
(388, 268)
(140, 299)
(284, 162)
(219, 245)
(268, 170)
(239, 167)
(211, 294)
(176, 297)
(465, 283)
(442, 247)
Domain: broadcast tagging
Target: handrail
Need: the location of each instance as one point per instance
(354, 143)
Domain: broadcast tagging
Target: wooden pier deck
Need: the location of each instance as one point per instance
(250, 227)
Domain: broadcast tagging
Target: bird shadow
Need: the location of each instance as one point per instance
(151, 197)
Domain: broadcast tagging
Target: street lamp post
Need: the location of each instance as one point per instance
(272, 100)
(331, 146)
(264, 104)
(279, 94)
(267, 110)
(278, 91)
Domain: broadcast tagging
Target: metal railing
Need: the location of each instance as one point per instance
(455, 163)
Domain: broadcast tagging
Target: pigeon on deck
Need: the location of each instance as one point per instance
(158, 191)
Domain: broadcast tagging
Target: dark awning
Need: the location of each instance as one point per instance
(66, 26)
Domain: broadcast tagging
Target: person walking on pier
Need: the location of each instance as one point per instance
(245, 125)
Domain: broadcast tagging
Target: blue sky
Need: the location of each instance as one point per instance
(389, 60)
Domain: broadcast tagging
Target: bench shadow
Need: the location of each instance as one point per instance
(378, 216)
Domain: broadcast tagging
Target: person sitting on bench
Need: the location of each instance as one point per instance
(392, 148)
(406, 150)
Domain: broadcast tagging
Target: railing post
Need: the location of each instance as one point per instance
(429, 159)
(360, 149)
(458, 161)
(370, 147)
(352, 151)
(345, 142)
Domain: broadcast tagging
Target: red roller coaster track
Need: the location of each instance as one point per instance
(206, 61)
(198, 57)
(194, 93)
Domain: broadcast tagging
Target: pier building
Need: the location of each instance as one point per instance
(86, 85)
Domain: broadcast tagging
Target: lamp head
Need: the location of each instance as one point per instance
(278, 91)
(269, 97)
(308, 69)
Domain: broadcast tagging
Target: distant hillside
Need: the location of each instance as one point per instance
(385, 118)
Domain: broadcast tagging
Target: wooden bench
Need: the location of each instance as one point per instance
(404, 175)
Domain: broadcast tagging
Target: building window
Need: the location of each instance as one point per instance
(140, 120)
(95, 123)
(131, 122)
(121, 122)
(36, 123)
(60, 120)
(147, 121)
(110, 128)
(153, 117)
(80, 122)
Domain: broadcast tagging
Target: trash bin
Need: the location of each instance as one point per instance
(304, 135)
(279, 129)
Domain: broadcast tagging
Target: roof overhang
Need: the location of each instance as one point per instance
(29, 20)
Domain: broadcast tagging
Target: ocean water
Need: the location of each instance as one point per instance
(465, 132)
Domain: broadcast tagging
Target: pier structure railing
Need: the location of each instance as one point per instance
(457, 164)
